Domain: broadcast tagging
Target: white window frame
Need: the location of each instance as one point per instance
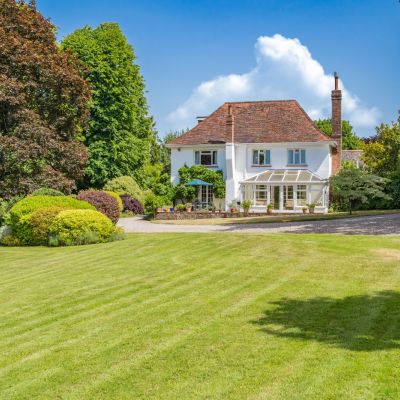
(301, 189)
(212, 153)
(302, 157)
(264, 152)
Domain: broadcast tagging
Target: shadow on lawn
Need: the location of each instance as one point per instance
(357, 323)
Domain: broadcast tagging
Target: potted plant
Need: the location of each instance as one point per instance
(270, 207)
(311, 207)
(305, 210)
(232, 206)
(188, 207)
(180, 207)
(246, 204)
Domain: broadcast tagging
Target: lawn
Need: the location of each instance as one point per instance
(203, 316)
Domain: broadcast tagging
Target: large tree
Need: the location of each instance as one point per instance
(120, 131)
(43, 105)
(350, 141)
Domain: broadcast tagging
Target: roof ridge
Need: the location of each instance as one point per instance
(260, 101)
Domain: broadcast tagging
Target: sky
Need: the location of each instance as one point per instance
(196, 54)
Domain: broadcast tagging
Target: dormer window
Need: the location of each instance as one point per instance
(296, 157)
(206, 157)
(261, 157)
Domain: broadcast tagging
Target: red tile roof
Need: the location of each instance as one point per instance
(255, 122)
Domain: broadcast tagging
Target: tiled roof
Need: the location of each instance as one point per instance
(352, 155)
(255, 122)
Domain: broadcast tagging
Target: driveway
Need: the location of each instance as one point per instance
(372, 225)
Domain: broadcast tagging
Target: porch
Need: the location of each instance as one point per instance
(287, 191)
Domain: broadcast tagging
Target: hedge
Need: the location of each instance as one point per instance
(116, 197)
(132, 205)
(75, 227)
(103, 202)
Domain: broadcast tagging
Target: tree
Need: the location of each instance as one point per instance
(120, 131)
(187, 174)
(354, 186)
(43, 105)
(350, 141)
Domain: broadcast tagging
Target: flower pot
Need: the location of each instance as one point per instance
(233, 210)
(305, 211)
(188, 209)
(312, 210)
(269, 211)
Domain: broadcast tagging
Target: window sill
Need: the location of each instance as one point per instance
(207, 166)
(261, 165)
(297, 165)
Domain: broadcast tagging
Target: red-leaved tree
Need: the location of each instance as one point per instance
(43, 105)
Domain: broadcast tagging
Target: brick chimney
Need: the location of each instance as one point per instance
(230, 124)
(336, 125)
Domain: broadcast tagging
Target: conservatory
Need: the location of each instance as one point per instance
(287, 190)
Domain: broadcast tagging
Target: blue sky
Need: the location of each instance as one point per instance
(196, 54)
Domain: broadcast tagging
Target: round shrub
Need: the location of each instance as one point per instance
(74, 227)
(125, 184)
(116, 197)
(47, 192)
(20, 213)
(132, 205)
(103, 202)
(41, 221)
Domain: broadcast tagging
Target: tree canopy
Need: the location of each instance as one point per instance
(43, 105)
(350, 141)
(120, 131)
(354, 186)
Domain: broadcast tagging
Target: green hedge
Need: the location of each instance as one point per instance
(21, 212)
(74, 227)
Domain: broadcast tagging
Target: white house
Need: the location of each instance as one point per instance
(270, 152)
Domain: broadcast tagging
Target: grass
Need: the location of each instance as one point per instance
(275, 218)
(202, 316)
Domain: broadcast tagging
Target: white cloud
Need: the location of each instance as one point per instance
(285, 69)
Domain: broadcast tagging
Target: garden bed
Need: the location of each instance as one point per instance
(165, 216)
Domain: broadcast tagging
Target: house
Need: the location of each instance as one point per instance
(354, 157)
(270, 152)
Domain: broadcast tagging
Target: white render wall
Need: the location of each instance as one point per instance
(235, 160)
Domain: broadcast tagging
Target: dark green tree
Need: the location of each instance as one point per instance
(350, 141)
(120, 132)
(353, 187)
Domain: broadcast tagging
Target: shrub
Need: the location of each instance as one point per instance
(153, 202)
(125, 184)
(47, 192)
(181, 207)
(131, 204)
(40, 222)
(246, 204)
(74, 227)
(21, 212)
(116, 197)
(103, 202)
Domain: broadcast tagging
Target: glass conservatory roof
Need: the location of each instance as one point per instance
(285, 175)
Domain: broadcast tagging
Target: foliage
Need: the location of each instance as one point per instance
(131, 204)
(353, 187)
(21, 212)
(187, 174)
(76, 227)
(350, 141)
(116, 197)
(43, 105)
(246, 204)
(40, 222)
(103, 202)
(125, 184)
(47, 192)
(158, 180)
(153, 202)
(120, 130)
(165, 152)
(180, 207)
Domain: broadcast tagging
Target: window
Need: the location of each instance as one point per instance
(206, 195)
(301, 195)
(261, 157)
(261, 195)
(208, 157)
(296, 157)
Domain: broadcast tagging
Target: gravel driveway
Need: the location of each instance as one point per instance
(373, 225)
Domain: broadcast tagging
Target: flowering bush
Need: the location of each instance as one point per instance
(131, 204)
(103, 202)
